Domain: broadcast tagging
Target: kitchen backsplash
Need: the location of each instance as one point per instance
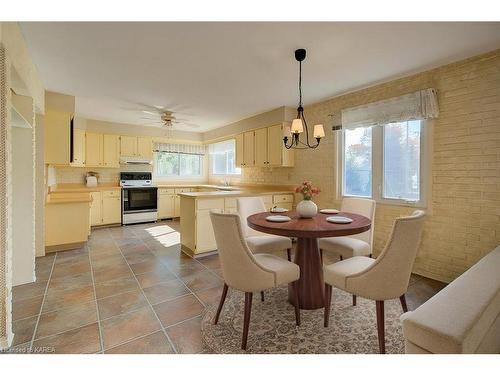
(71, 175)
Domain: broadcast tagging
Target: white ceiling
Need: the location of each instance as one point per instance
(217, 73)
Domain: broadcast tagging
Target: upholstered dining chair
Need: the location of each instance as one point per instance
(259, 242)
(380, 279)
(249, 272)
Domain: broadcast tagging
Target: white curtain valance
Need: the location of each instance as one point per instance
(419, 105)
(180, 148)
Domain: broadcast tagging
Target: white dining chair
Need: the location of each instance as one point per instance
(249, 272)
(380, 279)
(259, 242)
(357, 244)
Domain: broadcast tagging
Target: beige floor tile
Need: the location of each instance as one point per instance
(186, 336)
(111, 272)
(23, 330)
(57, 300)
(70, 282)
(211, 296)
(122, 328)
(179, 309)
(155, 343)
(80, 340)
(165, 291)
(152, 265)
(120, 304)
(156, 277)
(29, 290)
(201, 280)
(26, 307)
(66, 319)
(70, 268)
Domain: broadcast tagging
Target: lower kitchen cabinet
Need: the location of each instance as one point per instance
(166, 206)
(105, 208)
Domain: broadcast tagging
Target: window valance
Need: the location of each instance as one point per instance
(180, 148)
(419, 105)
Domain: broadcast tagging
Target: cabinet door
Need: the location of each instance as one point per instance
(239, 150)
(111, 209)
(78, 148)
(205, 238)
(57, 134)
(145, 148)
(177, 206)
(248, 149)
(111, 150)
(96, 208)
(128, 146)
(166, 203)
(274, 145)
(93, 150)
(260, 143)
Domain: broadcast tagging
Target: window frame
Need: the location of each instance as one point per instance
(179, 175)
(211, 161)
(426, 128)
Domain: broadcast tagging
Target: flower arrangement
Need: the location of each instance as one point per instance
(307, 190)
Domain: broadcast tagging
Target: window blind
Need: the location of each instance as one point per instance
(180, 148)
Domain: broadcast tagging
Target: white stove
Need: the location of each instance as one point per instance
(139, 198)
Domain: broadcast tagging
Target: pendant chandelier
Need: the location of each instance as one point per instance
(299, 124)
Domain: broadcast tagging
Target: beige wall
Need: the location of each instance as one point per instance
(464, 220)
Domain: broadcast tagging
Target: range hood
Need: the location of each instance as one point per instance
(135, 160)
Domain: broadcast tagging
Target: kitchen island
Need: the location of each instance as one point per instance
(197, 236)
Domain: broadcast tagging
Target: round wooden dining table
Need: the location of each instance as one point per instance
(307, 255)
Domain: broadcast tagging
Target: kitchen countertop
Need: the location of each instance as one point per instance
(81, 188)
(237, 193)
(80, 197)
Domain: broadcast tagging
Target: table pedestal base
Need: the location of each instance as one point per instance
(311, 285)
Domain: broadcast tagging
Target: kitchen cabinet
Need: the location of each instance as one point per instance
(263, 148)
(95, 208)
(79, 137)
(105, 207)
(111, 150)
(145, 148)
(239, 150)
(57, 137)
(94, 150)
(248, 149)
(260, 147)
(136, 146)
(128, 146)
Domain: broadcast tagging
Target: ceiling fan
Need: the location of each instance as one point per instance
(162, 116)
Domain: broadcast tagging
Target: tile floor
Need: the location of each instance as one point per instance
(130, 290)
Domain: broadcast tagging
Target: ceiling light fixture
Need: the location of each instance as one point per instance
(299, 124)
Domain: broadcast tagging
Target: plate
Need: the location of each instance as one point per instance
(329, 211)
(339, 219)
(278, 218)
(279, 210)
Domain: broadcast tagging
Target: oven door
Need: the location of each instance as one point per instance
(140, 199)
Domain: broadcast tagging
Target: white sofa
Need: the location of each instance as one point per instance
(464, 317)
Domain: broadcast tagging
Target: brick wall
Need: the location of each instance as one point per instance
(464, 210)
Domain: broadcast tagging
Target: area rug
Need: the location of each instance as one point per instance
(353, 329)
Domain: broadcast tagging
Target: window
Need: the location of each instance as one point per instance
(384, 162)
(171, 164)
(222, 158)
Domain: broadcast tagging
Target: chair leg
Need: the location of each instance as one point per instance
(354, 300)
(381, 326)
(289, 254)
(246, 319)
(221, 303)
(262, 296)
(402, 299)
(341, 257)
(369, 256)
(295, 286)
(328, 301)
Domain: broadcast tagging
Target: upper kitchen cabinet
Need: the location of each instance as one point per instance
(263, 148)
(94, 153)
(128, 146)
(136, 147)
(78, 148)
(57, 137)
(111, 150)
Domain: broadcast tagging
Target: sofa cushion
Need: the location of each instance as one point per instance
(459, 317)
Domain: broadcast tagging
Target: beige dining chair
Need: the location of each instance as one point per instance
(249, 272)
(380, 279)
(259, 242)
(357, 244)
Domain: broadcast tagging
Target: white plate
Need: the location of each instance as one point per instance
(279, 210)
(278, 218)
(329, 211)
(339, 219)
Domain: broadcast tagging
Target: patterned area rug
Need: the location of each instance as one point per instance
(353, 329)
